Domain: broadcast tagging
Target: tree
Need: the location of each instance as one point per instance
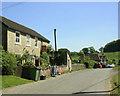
(112, 46)
(49, 49)
(91, 49)
(85, 50)
(80, 53)
(64, 50)
(101, 49)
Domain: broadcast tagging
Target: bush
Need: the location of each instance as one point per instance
(44, 60)
(29, 63)
(45, 57)
(89, 61)
(9, 63)
(25, 55)
(19, 59)
(60, 58)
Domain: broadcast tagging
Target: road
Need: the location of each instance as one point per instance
(91, 81)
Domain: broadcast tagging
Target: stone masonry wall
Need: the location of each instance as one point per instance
(20, 49)
(63, 69)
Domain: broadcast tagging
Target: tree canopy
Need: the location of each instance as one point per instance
(113, 46)
(101, 49)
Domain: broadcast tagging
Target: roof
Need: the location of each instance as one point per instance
(21, 28)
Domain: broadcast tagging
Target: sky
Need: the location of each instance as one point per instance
(78, 24)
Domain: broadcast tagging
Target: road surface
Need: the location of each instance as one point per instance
(91, 81)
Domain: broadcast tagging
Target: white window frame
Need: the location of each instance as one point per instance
(29, 40)
(37, 42)
(19, 38)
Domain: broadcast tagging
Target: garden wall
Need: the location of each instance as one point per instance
(78, 66)
(47, 72)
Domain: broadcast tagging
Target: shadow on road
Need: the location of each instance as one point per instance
(97, 91)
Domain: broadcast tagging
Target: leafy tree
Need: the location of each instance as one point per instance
(113, 46)
(61, 58)
(74, 53)
(88, 61)
(49, 49)
(101, 49)
(91, 49)
(85, 50)
(81, 53)
(64, 50)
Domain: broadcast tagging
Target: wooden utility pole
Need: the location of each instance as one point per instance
(55, 39)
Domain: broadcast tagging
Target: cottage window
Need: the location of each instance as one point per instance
(28, 40)
(17, 37)
(36, 42)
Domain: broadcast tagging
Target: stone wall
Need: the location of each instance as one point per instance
(78, 66)
(47, 72)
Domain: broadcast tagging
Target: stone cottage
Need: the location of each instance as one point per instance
(97, 57)
(17, 38)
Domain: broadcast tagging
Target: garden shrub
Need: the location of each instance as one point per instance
(89, 61)
(19, 60)
(61, 58)
(25, 55)
(9, 63)
(45, 57)
(29, 63)
(44, 60)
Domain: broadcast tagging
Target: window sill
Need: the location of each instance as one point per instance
(17, 43)
(36, 47)
(28, 45)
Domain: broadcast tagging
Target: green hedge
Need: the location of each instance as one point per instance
(89, 61)
(9, 63)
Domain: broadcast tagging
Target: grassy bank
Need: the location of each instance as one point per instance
(116, 82)
(10, 81)
(112, 55)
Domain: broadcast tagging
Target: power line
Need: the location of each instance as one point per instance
(48, 32)
(13, 5)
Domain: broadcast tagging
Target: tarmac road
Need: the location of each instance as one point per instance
(91, 81)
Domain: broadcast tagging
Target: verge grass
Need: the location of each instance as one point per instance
(113, 55)
(10, 81)
(116, 82)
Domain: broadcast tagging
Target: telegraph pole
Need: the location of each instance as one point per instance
(55, 39)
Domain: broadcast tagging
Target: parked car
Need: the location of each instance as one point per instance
(96, 65)
(104, 65)
(110, 65)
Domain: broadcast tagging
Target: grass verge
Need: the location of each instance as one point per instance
(112, 55)
(10, 81)
(116, 82)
